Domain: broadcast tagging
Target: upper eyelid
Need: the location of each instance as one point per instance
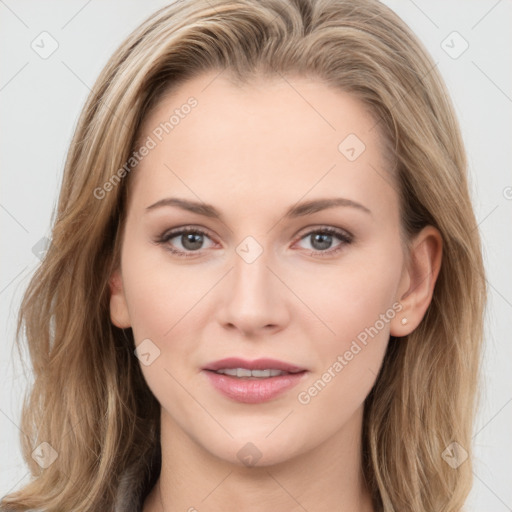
(173, 232)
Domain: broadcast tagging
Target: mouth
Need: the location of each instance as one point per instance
(245, 373)
(253, 381)
(237, 367)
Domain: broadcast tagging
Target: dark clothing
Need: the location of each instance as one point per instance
(135, 485)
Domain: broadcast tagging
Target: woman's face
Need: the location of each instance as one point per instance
(255, 282)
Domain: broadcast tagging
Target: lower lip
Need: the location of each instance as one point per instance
(253, 391)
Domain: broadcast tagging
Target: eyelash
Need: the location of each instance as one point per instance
(344, 237)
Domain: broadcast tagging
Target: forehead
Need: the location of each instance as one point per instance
(283, 137)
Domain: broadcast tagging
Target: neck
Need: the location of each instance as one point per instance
(194, 480)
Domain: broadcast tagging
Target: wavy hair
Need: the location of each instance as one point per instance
(89, 399)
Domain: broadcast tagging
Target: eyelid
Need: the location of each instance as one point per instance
(343, 235)
(324, 227)
(299, 236)
(172, 232)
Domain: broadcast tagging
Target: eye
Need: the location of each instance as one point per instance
(321, 240)
(191, 240)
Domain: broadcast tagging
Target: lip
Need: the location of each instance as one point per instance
(253, 391)
(257, 364)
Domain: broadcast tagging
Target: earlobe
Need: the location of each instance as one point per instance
(119, 314)
(421, 276)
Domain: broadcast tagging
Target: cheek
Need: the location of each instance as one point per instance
(164, 301)
(357, 304)
(349, 359)
(351, 296)
(158, 304)
(161, 295)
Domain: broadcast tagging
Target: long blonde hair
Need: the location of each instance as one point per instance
(89, 400)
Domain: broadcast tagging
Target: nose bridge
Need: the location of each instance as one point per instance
(251, 274)
(254, 298)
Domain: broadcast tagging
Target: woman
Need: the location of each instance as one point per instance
(190, 351)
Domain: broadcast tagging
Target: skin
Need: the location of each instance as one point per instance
(253, 152)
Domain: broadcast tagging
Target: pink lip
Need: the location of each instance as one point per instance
(253, 391)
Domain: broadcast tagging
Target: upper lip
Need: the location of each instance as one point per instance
(257, 364)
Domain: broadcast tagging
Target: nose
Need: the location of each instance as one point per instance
(254, 298)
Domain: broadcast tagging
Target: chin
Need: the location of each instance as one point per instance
(256, 449)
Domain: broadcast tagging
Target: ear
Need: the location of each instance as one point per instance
(118, 307)
(418, 280)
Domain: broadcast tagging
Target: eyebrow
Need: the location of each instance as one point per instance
(298, 210)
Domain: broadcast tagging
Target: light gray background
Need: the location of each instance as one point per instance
(40, 100)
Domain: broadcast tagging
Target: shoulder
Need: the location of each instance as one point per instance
(135, 483)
